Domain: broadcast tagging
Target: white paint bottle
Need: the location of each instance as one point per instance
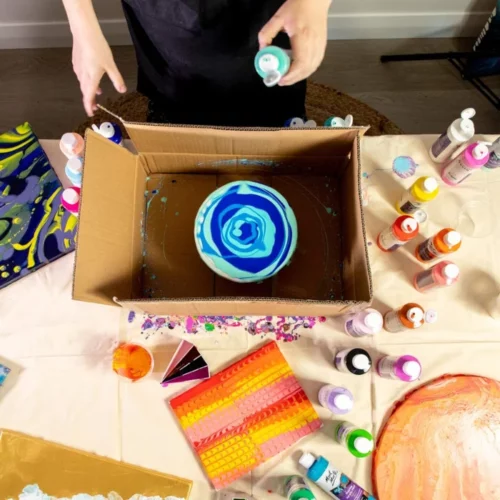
(458, 134)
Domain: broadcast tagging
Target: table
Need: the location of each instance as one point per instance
(66, 392)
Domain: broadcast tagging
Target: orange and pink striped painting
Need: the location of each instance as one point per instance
(245, 415)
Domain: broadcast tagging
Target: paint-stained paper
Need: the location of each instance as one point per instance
(61, 472)
(34, 228)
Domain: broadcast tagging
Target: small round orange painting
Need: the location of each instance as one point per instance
(441, 443)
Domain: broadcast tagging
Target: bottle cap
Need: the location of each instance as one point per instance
(409, 225)
(466, 123)
(420, 216)
(363, 445)
(307, 460)
(468, 113)
(430, 184)
(452, 238)
(451, 271)
(431, 316)
(68, 140)
(415, 315)
(343, 402)
(480, 151)
(361, 362)
(75, 164)
(374, 320)
(272, 78)
(412, 369)
(70, 196)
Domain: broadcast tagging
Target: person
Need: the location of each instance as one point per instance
(196, 57)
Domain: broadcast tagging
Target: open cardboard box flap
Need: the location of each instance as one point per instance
(122, 226)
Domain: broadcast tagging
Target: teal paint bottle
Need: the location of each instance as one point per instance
(272, 64)
(297, 489)
(331, 480)
(358, 441)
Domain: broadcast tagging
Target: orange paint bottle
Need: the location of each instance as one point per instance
(404, 229)
(443, 243)
(409, 317)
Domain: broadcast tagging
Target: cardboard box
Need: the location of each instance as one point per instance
(136, 232)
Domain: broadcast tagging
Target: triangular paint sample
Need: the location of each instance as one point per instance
(186, 364)
(200, 374)
(182, 349)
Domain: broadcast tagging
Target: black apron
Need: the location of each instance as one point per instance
(196, 62)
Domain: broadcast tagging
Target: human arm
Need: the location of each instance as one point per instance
(305, 22)
(92, 56)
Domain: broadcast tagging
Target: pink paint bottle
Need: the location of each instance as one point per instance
(363, 323)
(72, 144)
(406, 368)
(473, 158)
(443, 274)
(70, 199)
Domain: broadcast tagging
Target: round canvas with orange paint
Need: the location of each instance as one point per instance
(442, 442)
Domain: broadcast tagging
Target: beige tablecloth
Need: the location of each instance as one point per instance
(65, 390)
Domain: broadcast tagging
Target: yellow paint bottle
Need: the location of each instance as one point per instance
(423, 190)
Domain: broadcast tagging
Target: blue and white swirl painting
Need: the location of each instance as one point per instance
(245, 231)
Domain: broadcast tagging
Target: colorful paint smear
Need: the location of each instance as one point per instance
(404, 166)
(442, 442)
(245, 415)
(284, 328)
(132, 361)
(34, 228)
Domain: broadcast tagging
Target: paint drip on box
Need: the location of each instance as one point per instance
(284, 328)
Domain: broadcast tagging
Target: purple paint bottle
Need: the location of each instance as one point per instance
(406, 368)
(363, 323)
(336, 399)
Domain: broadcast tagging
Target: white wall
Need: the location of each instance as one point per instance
(42, 23)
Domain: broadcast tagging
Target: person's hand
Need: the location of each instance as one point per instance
(305, 22)
(92, 57)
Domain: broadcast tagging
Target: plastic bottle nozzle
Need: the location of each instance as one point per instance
(452, 238)
(451, 271)
(480, 151)
(75, 164)
(374, 320)
(71, 196)
(412, 369)
(430, 185)
(363, 445)
(307, 460)
(361, 362)
(343, 402)
(68, 140)
(272, 78)
(415, 315)
(409, 225)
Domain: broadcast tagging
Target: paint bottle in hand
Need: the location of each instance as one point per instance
(331, 480)
(494, 160)
(442, 274)
(297, 489)
(70, 199)
(460, 132)
(358, 441)
(409, 317)
(445, 242)
(72, 144)
(472, 159)
(356, 361)
(406, 368)
(423, 190)
(363, 323)
(338, 400)
(403, 230)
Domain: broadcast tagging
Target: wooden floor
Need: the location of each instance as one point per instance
(421, 97)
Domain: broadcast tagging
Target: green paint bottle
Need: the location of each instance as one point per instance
(297, 489)
(358, 441)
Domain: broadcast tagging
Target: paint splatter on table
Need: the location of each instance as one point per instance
(284, 328)
(442, 442)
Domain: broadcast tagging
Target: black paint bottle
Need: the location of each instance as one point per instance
(356, 361)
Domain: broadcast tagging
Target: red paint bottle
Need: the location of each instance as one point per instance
(404, 229)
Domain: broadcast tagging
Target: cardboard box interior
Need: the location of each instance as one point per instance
(136, 234)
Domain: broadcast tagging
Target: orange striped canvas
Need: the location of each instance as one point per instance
(245, 415)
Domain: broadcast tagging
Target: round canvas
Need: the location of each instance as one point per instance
(245, 231)
(442, 442)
